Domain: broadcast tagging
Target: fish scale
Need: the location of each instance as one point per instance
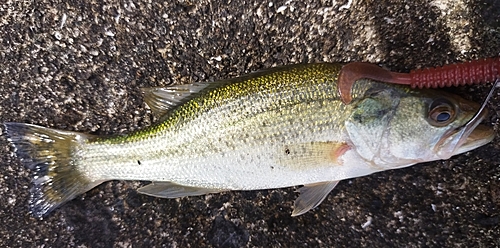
(277, 128)
(283, 125)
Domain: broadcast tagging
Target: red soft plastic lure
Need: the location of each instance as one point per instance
(467, 73)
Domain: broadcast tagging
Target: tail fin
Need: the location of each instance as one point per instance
(49, 154)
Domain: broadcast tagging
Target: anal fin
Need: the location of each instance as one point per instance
(311, 195)
(173, 190)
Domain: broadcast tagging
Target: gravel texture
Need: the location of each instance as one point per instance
(79, 65)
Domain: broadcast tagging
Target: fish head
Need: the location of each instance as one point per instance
(393, 127)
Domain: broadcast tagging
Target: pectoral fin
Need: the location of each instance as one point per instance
(172, 190)
(311, 196)
(312, 154)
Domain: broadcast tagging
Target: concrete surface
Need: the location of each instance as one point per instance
(78, 65)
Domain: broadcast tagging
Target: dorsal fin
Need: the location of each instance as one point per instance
(163, 99)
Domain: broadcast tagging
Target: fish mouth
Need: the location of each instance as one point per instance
(480, 136)
(465, 138)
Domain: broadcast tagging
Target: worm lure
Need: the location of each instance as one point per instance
(467, 73)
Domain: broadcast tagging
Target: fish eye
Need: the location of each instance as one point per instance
(441, 112)
(443, 116)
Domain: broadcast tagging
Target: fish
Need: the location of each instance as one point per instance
(278, 128)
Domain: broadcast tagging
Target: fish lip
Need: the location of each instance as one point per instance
(448, 146)
(481, 135)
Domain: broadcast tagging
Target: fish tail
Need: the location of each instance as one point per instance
(51, 155)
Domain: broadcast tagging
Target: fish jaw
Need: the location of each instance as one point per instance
(480, 136)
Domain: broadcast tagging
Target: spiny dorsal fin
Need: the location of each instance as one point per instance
(311, 195)
(163, 99)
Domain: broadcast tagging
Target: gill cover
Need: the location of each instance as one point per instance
(370, 119)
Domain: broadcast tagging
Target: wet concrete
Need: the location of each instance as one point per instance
(79, 66)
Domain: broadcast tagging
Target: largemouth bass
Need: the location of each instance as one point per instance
(278, 128)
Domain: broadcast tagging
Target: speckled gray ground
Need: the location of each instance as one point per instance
(78, 65)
